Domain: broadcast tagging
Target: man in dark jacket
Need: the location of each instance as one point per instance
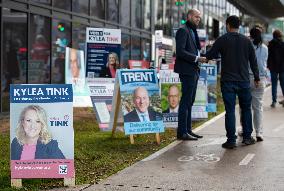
(237, 52)
(187, 66)
(275, 64)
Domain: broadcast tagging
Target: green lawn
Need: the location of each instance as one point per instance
(97, 155)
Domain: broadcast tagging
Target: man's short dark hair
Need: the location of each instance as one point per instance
(277, 34)
(233, 21)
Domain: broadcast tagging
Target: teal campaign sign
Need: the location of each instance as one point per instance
(140, 100)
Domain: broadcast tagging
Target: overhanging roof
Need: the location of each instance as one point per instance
(262, 9)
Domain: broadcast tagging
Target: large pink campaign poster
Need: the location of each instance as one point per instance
(41, 131)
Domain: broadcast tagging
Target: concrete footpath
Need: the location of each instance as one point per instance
(205, 165)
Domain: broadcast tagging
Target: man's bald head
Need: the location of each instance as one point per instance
(194, 16)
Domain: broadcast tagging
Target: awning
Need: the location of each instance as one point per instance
(262, 9)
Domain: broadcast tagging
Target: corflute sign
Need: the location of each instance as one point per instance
(103, 35)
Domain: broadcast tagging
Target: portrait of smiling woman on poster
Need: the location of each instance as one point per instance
(33, 139)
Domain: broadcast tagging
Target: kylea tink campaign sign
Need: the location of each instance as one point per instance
(140, 100)
(103, 52)
(101, 92)
(41, 131)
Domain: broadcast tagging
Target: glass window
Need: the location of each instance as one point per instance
(78, 36)
(158, 10)
(46, 2)
(136, 16)
(61, 35)
(62, 4)
(146, 48)
(14, 52)
(98, 8)
(125, 50)
(112, 10)
(167, 26)
(146, 14)
(39, 63)
(135, 48)
(125, 12)
(200, 6)
(81, 6)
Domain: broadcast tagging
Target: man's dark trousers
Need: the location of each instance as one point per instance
(188, 89)
(229, 92)
(274, 83)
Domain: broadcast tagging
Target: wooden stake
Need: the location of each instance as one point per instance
(16, 183)
(158, 138)
(115, 107)
(69, 182)
(131, 139)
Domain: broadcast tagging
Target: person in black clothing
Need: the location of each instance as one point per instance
(237, 52)
(275, 64)
(187, 66)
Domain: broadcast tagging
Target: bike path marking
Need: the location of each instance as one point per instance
(209, 158)
(175, 143)
(247, 159)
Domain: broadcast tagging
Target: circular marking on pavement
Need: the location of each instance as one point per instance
(209, 158)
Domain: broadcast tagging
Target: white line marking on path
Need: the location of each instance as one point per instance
(216, 141)
(175, 143)
(156, 154)
(247, 159)
(207, 123)
(279, 128)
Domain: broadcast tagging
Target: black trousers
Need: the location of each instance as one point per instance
(188, 88)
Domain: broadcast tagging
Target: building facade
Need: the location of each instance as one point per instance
(34, 33)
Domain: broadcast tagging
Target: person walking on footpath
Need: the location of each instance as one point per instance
(261, 52)
(237, 52)
(276, 65)
(187, 66)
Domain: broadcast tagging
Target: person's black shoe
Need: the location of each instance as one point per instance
(282, 102)
(186, 137)
(259, 138)
(195, 135)
(228, 145)
(248, 141)
(273, 105)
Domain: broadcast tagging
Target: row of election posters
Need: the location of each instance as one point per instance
(93, 78)
(205, 100)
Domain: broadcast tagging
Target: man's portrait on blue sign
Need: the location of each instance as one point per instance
(140, 100)
(142, 111)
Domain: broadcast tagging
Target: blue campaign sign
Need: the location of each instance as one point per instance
(138, 77)
(103, 47)
(41, 93)
(141, 103)
(212, 86)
